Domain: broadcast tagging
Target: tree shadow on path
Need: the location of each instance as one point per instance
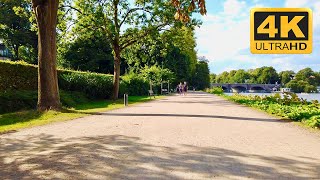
(123, 157)
(192, 116)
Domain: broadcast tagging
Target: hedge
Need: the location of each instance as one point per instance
(22, 76)
(11, 101)
(134, 84)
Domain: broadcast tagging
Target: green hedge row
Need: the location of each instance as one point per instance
(22, 76)
(94, 85)
(134, 84)
(18, 76)
(11, 101)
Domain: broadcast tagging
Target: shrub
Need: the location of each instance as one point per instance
(288, 106)
(314, 121)
(22, 76)
(134, 85)
(11, 101)
(18, 76)
(93, 85)
(215, 90)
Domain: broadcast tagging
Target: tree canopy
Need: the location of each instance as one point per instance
(16, 29)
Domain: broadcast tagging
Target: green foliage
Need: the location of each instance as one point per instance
(87, 53)
(201, 79)
(22, 76)
(241, 76)
(92, 84)
(215, 90)
(174, 50)
(301, 86)
(134, 85)
(307, 75)
(223, 77)
(305, 80)
(287, 106)
(155, 75)
(15, 27)
(18, 76)
(11, 101)
(213, 78)
(124, 23)
(29, 55)
(286, 76)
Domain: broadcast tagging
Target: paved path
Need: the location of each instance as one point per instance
(200, 136)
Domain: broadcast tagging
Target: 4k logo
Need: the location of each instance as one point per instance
(281, 31)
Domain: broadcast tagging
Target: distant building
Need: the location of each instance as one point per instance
(285, 89)
(4, 52)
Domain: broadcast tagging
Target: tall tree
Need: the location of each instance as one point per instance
(173, 49)
(88, 52)
(15, 27)
(202, 76)
(139, 20)
(268, 76)
(231, 76)
(223, 77)
(213, 78)
(46, 15)
(306, 74)
(48, 91)
(286, 76)
(241, 76)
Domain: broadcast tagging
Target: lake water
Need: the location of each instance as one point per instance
(308, 97)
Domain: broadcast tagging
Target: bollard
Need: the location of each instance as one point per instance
(125, 99)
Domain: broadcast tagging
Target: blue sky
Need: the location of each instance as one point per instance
(224, 37)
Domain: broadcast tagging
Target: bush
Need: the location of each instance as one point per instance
(11, 101)
(18, 76)
(288, 106)
(22, 76)
(215, 90)
(94, 85)
(134, 85)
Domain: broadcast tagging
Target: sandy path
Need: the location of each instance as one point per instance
(199, 136)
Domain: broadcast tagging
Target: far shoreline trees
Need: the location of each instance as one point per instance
(305, 80)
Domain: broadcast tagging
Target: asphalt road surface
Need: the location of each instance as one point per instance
(198, 136)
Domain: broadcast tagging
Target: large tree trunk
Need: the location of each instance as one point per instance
(48, 91)
(116, 72)
(116, 51)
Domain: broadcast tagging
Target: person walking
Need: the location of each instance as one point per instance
(180, 87)
(185, 88)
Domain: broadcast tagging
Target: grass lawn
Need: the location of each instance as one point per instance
(18, 120)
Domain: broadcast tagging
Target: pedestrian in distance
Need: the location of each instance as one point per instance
(180, 87)
(185, 88)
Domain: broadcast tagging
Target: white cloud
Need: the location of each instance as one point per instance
(316, 14)
(223, 35)
(233, 7)
(296, 3)
(313, 4)
(224, 39)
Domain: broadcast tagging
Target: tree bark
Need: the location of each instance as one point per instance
(116, 51)
(116, 73)
(48, 91)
